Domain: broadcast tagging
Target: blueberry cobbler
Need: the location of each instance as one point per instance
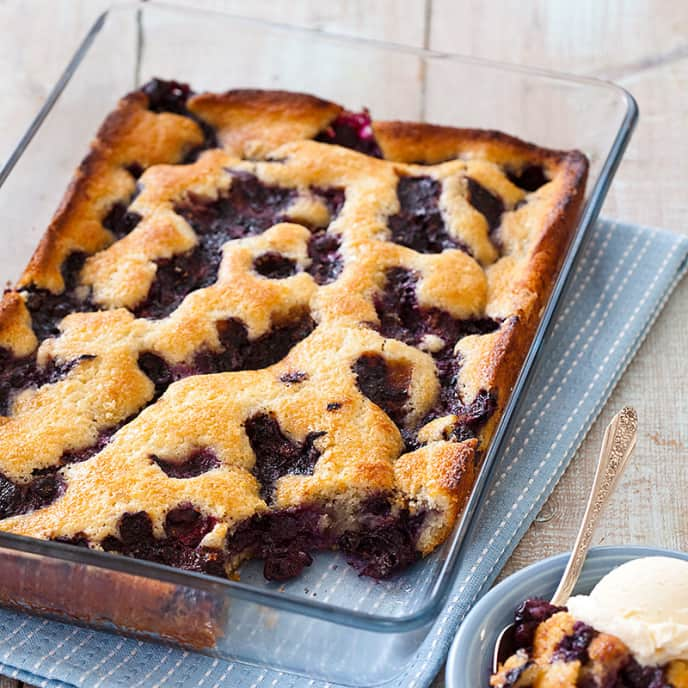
(556, 650)
(260, 326)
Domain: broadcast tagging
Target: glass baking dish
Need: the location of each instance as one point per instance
(315, 624)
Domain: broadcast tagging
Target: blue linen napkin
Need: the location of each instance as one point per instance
(622, 280)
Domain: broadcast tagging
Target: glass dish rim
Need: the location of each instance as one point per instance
(446, 575)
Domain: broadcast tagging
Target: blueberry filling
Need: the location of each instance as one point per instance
(274, 265)
(332, 196)
(248, 208)
(178, 276)
(514, 674)
(18, 498)
(377, 505)
(157, 370)
(135, 169)
(402, 317)
(385, 543)
(470, 418)
(18, 374)
(629, 675)
(575, 646)
(530, 178)
(384, 383)
(77, 540)
(334, 406)
(198, 462)
(352, 130)
(486, 203)
(121, 221)
(172, 96)
(326, 263)
(184, 526)
(528, 617)
(238, 352)
(266, 350)
(419, 223)
(633, 675)
(326, 260)
(167, 96)
(323, 247)
(276, 454)
(48, 309)
(283, 539)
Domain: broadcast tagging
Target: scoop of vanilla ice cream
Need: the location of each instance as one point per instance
(644, 602)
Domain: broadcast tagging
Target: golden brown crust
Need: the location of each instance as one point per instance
(16, 334)
(537, 280)
(251, 122)
(131, 134)
(677, 673)
(442, 476)
(504, 274)
(430, 144)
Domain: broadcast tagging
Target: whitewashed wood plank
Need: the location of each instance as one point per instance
(37, 39)
(650, 185)
(398, 21)
(581, 37)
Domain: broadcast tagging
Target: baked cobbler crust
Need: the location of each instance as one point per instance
(260, 325)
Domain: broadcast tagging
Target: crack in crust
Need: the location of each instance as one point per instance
(260, 272)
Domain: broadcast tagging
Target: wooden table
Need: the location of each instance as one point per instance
(642, 45)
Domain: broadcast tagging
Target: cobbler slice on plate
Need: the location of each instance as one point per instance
(554, 650)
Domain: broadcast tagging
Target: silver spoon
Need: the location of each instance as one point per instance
(617, 446)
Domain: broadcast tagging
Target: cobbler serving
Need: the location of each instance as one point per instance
(555, 649)
(260, 325)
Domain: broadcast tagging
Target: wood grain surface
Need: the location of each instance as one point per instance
(641, 44)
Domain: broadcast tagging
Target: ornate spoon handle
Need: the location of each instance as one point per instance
(617, 446)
